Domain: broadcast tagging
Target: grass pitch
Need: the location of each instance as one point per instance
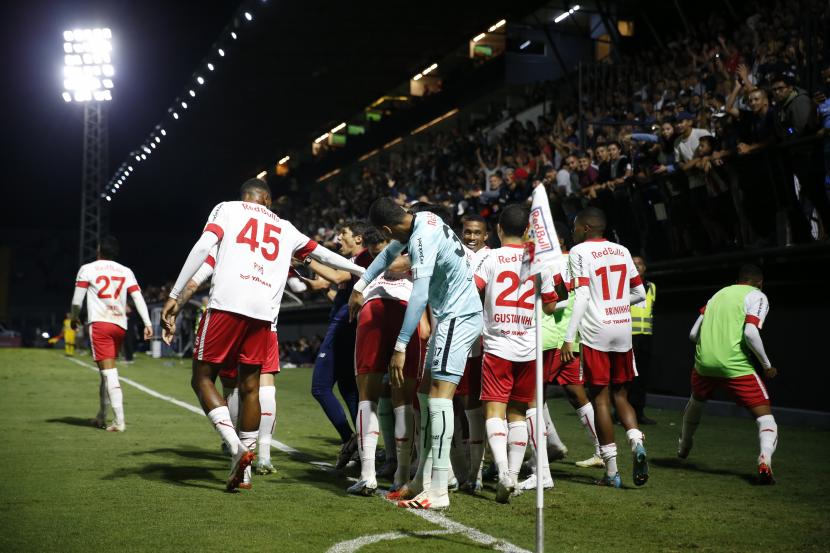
(159, 487)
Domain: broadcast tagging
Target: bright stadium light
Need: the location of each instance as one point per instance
(192, 93)
(233, 35)
(175, 115)
(200, 80)
(184, 105)
(143, 156)
(88, 69)
(221, 52)
(495, 26)
(163, 132)
(248, 16)
(210, 66)
(284, 160)
(565, 14)
(130, 168)
(479, 37)
(158, 139)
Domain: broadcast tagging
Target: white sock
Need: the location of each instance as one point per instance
(423, 476)
(516, 447)
(368, 431)
(248, 439)
(233, 405)
(497, 438)
(475, 421)
(609, 455)
(768, 436)
(103, 400)
(267, 421)
(114, 393)
(459, 464)
(404, 433)
(635, 437)
(540, 454)
(586, 417)
(550, 429)
(442, 423)
(221, 419)
(386, 420)
(691, 418)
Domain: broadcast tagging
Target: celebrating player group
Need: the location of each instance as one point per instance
(432, 343)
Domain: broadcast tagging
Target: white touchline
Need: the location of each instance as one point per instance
(450, 526)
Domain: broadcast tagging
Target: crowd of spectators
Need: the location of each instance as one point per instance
(694, 153)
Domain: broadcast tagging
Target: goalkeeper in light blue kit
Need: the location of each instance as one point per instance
(443, 279)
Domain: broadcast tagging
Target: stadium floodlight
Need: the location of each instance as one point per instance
(496, 25)
(210, 66)
(184, 105)
(284, 160)
(200, 80)
(565, 14)
(143, 156)
(221, 52)
(248, 16)
(321, 138)
(153, 145)
(158, 139)
(233, 35)
(192, 93)
(175, 115)
(163, 132)
(88, 69)
(479, 37)
(130, 168)
(430, 69)
(339, 127)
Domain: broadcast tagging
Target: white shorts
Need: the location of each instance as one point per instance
(450, 344)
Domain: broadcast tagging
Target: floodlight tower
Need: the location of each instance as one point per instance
(88, 79)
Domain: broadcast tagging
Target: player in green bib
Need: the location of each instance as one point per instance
(728, 342)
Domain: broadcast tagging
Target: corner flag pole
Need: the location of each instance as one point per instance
(540, 423)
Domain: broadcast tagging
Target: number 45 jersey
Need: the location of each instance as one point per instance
(252, 259)
(509, 325)
(608, 271)
(107, 286)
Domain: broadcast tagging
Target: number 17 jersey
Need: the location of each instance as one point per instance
(609, 273)
(252, 259)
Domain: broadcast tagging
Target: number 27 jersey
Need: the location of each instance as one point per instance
(253, 258)
(107, 286)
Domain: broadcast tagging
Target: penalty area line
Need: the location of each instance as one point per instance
(449, 526)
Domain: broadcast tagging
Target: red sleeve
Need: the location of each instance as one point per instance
(580, 281)
(210, 261)
(303, 252)
(480, 284)
(215, 229)
(752, 320)
(82, 284)
(569, 286)
(550, 297)
(557, 279)
(133, 288)
(635, 281)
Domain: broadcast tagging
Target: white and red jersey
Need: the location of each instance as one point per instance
(389, 286)
(252, 258)
(107, 284)
(607, 270)
(509, 325)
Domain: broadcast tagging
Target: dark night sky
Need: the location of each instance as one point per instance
(299, 68)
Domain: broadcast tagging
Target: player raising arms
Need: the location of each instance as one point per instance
(508, 375)
(606, 283)
(106, 285)
(727, 335)
(254, 252)
(443, 278)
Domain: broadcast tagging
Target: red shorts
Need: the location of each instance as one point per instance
(557, 372)
(378, 325)
(748, 390)
(470, 383)
(105, 340)
(228, 338)
(503, 380)
(607, 367)
(271, 366)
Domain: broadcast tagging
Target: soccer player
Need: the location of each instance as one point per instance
(443, 278)
(727, 336)
(381, 316)
(106, 285)
(474, 234)
(568, 375)
(508, 373)
(606, 283)
(252, 259)
(335, 360)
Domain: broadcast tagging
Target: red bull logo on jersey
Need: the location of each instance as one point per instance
(541, 234)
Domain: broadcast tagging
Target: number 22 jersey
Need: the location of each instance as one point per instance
(252, 258)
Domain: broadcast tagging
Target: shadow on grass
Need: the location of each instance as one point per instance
(76, 421)
(679, 464)
(180, 475)
(186, 453)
